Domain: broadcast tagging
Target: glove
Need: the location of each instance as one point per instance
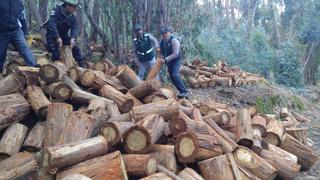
(59, 41)
(72, 43)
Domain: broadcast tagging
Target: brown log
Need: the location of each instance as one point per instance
(223, 81)
(289, 122)
(244, 128)
(189, 174)
(59, 91)
(67, 56)
(168, 109)
(12, 140)
(75, 73)
(145, 88)
(121, 118)
(76, 177)
(155, 97)
(102, 66)
(255, 164)
(228, 145)
(10, 84)
(280, 152)
(39, 102)
(168, 92)
(205, 73)
(157, 176)
(164, 154)
(253, 111)
(18, 165)
(187, 110)
(287, 169)
(213, 70)
(307, 157)
(13, 65)
(194, 83)
(72, 153)
(108, 167)
(34, 140)
(221, 117)
(220, 168)
(114, 131)
(50, 73)
(284, 113)
(124, 103)
(274, 132)
(258, 129)
(128, 78)
(56, 121)
(32, 80)
(89, 65)
(180, 124)
(245, 174)
(14, 108)
(98, 109)
(136, 102)
(190, 147)
(232, 126)
(299, 133)
(167, 172)
(196, 115)
(300, 117)
(155, 70)
(138, 139)
(187, 71)
(73, 131)
(139, 165)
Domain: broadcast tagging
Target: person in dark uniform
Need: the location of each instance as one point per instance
(13, 29)
(145, 46)
(61, 21)
(170, 51)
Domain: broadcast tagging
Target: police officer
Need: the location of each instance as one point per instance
(13, 29)
(61, 21)
(170, 50)
(145, 46)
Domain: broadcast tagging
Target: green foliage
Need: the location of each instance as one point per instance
(288, 67)
(266, 105)
(297, 103)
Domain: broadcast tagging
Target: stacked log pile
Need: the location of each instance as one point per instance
(103, 122)
(199, 75)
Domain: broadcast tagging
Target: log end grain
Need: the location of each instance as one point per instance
(137, 140)
(186, 147)
(49, 73)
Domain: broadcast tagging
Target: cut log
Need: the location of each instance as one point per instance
(167, 172)
(136, 102)
(68, 154)
(18, 165)
(14, 108)
(280, 152)
(58, 91)
(244, 128)
(75, 73)
(196, 115)
(258, 129)
(32, 80)
(274, 132)
(12, 140)
(67, 56)
(56, 121)
(190, 147)
(50, 73)
(145, 88)
(255, 164)
(140, 165)
(108, 167)
(168, 109)
(287, 169)
(34, 140)
(73, 131)
(190, 174)
(76, 177)
(299, 133)
(124, 103)
(299, 117)
(128, 78)
(155, 70)
(39, 102)
(150, 129)
(307, 157)
(194, 83)
(253, 111)
(228, 145)
(284, 113)
(157, 176)
(223, 81)
(220, 168)
(187, 71)
(221, 118)
(121, 118)
(97, 109)
(102, 66)
(10, 84)
(114, 131)
(164, 154)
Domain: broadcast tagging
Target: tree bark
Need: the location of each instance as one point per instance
(12, 140)
(66, 56)
(114, 131)
(58, 91)
(145, 88)
(34, 140)
(128, 77)
(140, 165)
(244, 128)
(14, 108)
(10, 84)
(39, 102)
(72, 153)
(164, 154)
(299, 133)
(50, 73)
(190, 174)
(96, 168)
(157, 176)
(274, 132)
(155, 70)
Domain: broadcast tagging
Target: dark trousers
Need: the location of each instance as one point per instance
(18, 40)
(54, 49)
(174, 72)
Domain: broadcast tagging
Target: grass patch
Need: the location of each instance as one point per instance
(297, 103)
(266, 105)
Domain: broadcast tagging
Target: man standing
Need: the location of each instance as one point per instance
(170, 50)
(144, 46)
(13, 29)
(61, 21)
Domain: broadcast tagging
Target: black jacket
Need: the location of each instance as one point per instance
(12, 16)
(60, 24)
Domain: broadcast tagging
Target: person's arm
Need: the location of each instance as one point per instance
(74, 28)
(175, 50)
(154, 41)
(23, 22)
(134, 50)
(52, 25)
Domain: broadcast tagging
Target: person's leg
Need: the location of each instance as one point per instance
(142, 69)
(78, 56)
(4, 42)
(53, 48)
(174, 71)
(19, 42)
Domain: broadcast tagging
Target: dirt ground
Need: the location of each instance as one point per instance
(247, 95)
